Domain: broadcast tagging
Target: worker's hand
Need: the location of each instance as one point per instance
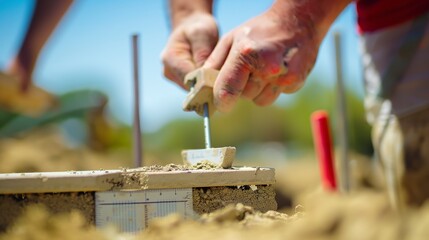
(262, 58)
(189, 45)
(22, 69)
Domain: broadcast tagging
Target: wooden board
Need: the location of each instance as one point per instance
(104, 180)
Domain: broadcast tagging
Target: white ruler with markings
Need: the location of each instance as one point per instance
(131, 211)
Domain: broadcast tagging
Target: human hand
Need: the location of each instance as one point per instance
(268, 55)
(189, 45)
(22, 69)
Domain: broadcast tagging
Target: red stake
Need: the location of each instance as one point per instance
(323, 145)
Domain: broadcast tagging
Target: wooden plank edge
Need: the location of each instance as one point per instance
(131, 179)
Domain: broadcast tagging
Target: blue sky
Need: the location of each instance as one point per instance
(91, 49)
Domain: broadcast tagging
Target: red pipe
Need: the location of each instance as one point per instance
(323, 145)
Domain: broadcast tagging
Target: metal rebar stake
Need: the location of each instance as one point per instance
(342, 118)
(207, 126)
(137, 142)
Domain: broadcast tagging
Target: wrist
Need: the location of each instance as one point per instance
(313, 16)
(180, 10)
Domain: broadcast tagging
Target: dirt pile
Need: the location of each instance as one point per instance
(360, 215)
(46, 149)
(38, 224)
(364, 215)
(13, 205)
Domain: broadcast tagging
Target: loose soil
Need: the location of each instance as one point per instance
(261, 198)
(363, 214)
(205, 200)
(12, 205)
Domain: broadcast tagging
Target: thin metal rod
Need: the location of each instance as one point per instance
(137, 141)
(342, 118)
(207, 137)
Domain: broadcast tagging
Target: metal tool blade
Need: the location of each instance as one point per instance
(207, 137)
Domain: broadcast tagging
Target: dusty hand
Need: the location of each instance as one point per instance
(189, 45)
(262, 58)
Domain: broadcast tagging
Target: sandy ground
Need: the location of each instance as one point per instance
(47, 150)
(313, 214)
(363, 215)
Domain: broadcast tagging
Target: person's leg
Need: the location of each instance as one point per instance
(402, 145)
(387, 139)
(46, 16)
(401, 121)
(415, 128)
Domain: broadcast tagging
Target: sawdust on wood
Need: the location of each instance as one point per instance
(206, 165)
(162, 168)
(137, 178)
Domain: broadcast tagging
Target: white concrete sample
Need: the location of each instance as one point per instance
(222, 157)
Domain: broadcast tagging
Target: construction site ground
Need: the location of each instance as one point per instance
(306, 211)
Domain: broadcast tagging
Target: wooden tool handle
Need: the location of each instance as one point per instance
(200, 82)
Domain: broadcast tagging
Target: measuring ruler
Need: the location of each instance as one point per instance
(131, 211)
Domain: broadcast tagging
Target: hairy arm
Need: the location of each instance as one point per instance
(193, 38)
(47, 14)
(271, 53)
(182, 9)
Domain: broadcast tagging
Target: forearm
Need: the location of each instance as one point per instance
(47, 15)
(316, 15)
(180, 9)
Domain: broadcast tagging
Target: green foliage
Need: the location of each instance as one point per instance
(85, 106)
(177, 135)
(248, 123)
(288, 123)
(312, 97)
(359, 129)
(74, 104)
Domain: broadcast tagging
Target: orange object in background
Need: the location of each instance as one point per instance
(33, 103)
(323, 146)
